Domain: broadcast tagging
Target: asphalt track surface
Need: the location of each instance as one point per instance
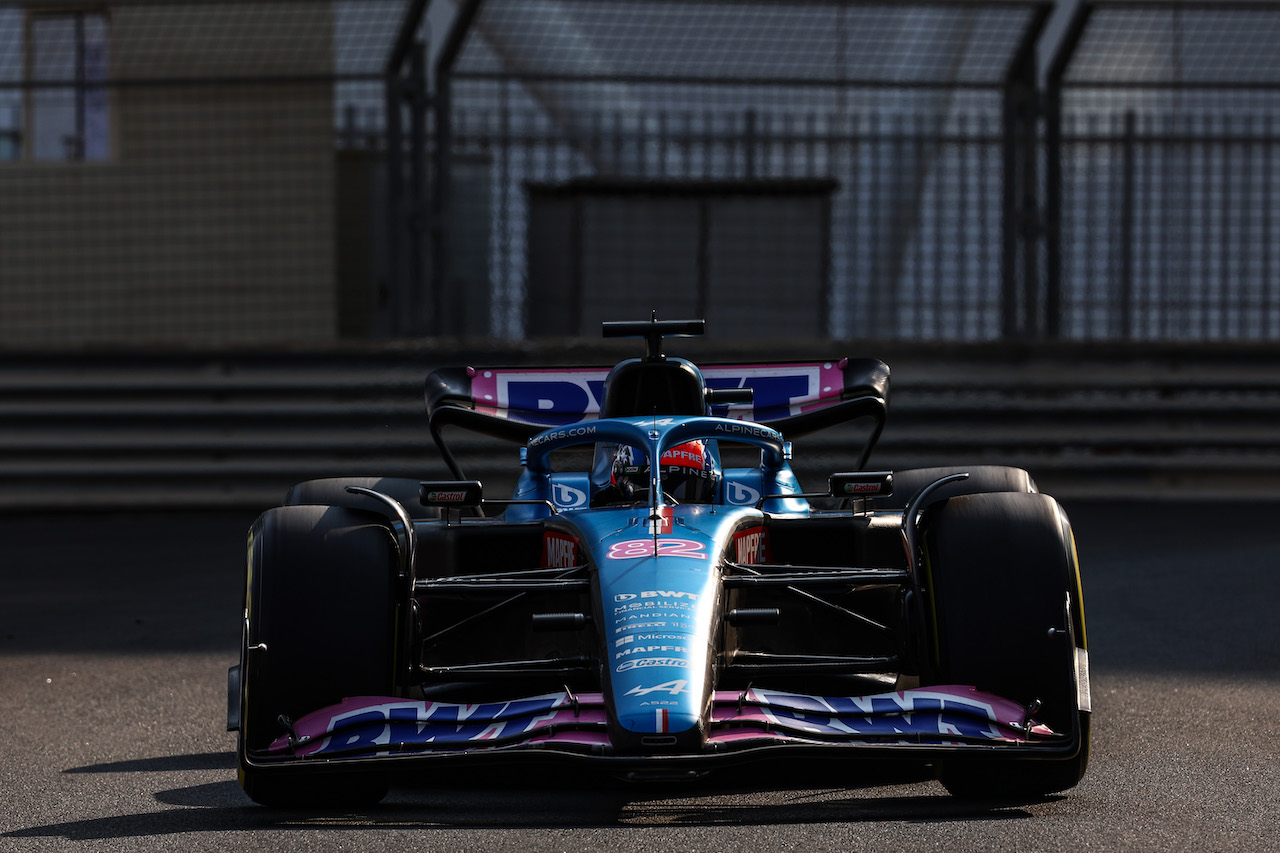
(116, 633)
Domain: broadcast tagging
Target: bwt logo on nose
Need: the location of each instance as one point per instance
(655, 593)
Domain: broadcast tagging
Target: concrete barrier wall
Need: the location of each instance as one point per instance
(126, 431)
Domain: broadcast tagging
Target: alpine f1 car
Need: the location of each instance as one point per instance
(643, 606)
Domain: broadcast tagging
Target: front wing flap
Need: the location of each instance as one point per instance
(944, 717)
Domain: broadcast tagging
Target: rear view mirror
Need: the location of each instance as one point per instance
(862, 484)
(451, 493)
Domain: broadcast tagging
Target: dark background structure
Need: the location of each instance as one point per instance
(235, 235)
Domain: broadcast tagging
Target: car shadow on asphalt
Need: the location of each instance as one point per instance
(754, 798)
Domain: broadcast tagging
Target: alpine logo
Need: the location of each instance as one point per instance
(671, 688)
(747, 429)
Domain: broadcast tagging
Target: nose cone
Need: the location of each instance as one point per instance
(660, 729)
(659, 721)
(659, 691)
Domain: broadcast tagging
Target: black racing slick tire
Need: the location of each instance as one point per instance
(1003, 599)
(982, 478)
(320, 627)
(332, 491)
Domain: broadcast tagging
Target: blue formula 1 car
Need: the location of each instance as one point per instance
(659, 598)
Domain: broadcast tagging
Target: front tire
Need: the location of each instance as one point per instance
(320, 609)
(1004, 603)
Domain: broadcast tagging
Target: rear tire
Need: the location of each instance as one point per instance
(1000, 573)
(320, 597)
(982, 478)
(332, 491)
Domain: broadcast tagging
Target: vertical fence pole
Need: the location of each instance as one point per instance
(441, 186)
(397, 290)
(1013, 307)
(1267, 146)
(1052, 215)
(420, 218)
(409, 217)
(1226, 307)
(1010, 326)
(1020, 211)
(1126, 242)
(439, 202)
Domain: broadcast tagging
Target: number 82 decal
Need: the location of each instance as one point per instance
(634, 549)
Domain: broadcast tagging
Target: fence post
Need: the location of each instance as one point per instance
(1052, 232)
(439, 202)
(420, 218)
(395, 189)
(1019, 209)
(1128, 167)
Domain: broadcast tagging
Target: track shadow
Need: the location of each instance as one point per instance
(472, 809)
(554, 803)
(168, 763)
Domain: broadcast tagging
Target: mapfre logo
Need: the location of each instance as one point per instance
(559, 551)
(749, 546)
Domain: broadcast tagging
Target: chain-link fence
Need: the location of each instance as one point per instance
(262, 171)
(1166, 171)
(813, 168)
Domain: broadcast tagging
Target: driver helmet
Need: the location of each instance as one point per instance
(690, 472)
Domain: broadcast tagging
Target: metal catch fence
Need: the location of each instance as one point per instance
(304, 171)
